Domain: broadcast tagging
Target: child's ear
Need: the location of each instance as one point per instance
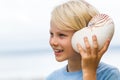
(100, 25)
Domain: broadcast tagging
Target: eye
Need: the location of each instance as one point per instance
(51, 34)
(62, 35)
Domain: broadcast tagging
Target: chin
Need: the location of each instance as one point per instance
(60, 60)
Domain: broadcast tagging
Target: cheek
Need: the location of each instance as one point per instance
(68, 43)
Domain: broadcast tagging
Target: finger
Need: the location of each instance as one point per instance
(105, 47)
(95, 45)
(81, 50)
(87, 45)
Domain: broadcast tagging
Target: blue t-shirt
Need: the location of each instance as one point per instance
(104, 72)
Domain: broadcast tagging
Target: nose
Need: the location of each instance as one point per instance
(53, 41)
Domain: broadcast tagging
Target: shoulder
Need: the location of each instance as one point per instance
(103, 67)
(54, 75)
(108, 72)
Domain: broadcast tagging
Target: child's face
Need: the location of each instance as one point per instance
(60, 41)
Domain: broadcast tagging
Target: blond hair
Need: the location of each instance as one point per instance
(73, 15)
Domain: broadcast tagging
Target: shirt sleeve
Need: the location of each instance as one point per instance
(114, 75)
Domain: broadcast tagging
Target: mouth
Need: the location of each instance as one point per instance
(58, 52)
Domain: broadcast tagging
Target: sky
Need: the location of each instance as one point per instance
(24, 24)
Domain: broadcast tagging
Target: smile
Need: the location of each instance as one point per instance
(58, 51)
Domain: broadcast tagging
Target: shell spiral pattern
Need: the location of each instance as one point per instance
(100, 20)
(102, 26)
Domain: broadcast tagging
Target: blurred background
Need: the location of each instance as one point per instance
(25, 53)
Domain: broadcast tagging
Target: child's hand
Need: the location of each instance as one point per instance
(92, 56)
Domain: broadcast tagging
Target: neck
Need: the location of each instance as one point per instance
(74, 64)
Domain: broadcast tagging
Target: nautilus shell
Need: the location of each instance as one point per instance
(100, 25)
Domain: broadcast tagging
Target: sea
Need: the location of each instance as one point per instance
(38, 64)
